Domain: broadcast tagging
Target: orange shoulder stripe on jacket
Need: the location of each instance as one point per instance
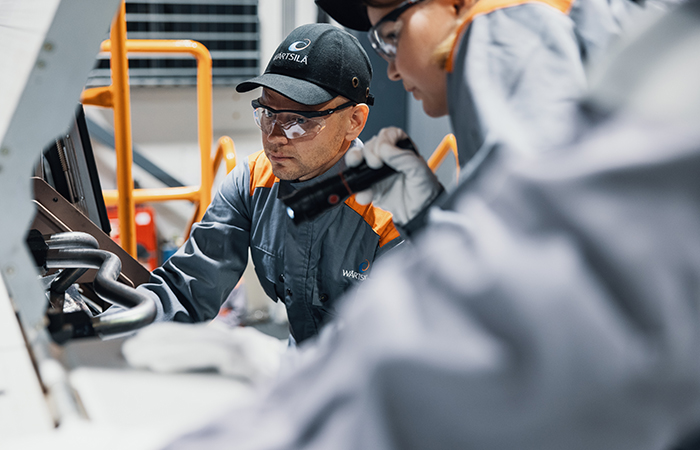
(260, 172)
(380, 220)
(487, 6)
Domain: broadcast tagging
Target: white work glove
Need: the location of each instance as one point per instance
(241, 352)
(404, 195)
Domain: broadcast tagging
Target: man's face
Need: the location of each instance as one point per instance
(307, 157)
(418, 33)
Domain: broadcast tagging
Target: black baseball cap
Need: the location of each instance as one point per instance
(349, 13)
(316, 63)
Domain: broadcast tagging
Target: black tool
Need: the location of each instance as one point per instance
(309, 202)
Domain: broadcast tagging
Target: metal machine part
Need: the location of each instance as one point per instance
(55, 214)
(69, 315)
(76, 252)
(68, 165)
(50, 57)
(48, 398)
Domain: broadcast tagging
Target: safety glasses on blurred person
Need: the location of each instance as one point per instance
(384, 35)
(294, 124)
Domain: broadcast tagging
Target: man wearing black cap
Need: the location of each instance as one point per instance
(313, 106)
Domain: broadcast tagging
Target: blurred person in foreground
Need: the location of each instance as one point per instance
(554, 306)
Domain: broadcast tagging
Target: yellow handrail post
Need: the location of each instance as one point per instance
(448, 143)
(204, 125)
(225, 151)
(122, 132)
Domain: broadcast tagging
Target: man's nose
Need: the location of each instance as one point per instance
(276, 133)
(392, 72)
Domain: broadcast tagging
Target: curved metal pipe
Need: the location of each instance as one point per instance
(141, 308)
(72, 239)
(63, 281)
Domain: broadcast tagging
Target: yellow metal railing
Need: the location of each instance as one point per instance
(225, 151)
(116, 96)
(448, 143)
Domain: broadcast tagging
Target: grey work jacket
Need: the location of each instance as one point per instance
(518, 69)
(307, 266)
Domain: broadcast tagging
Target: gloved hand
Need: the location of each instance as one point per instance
(405, 194)
(241, 352)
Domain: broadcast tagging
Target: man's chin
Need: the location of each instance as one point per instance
(433, 111)
(284, 173)
(433, 107)
(287, 169)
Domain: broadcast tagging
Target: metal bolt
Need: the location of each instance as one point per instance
(5, 151)
(48, 46)
(10, 270)
(41, 64)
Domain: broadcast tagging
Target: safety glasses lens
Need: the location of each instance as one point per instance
(384, 35)
(384, 38)
(293, 126)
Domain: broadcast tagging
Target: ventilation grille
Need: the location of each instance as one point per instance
(228, 28)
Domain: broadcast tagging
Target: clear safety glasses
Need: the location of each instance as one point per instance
(293, 124)
(384, 35)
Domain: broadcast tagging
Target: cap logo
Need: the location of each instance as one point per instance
(299, 45)
(292, 57)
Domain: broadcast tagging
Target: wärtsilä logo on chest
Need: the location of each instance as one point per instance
(354, 275)
(361, 276)
(292, 57)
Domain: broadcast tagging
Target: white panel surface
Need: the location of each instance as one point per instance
(10, 333)
(23, 25)
(23, 408)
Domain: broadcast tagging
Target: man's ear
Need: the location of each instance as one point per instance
(356, 121)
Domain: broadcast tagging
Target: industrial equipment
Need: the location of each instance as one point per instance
(64, 304)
